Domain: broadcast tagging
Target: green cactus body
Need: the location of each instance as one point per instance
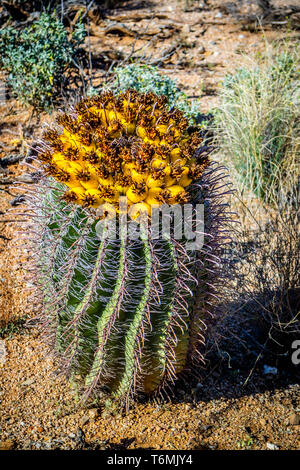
(114, 312)
(113, 303)
(126, 315)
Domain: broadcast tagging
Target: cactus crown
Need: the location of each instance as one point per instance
(130, 144)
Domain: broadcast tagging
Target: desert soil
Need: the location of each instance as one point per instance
(238, 404)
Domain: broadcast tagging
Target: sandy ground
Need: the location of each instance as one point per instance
(237, 404)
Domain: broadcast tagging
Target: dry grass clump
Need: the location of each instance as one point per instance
(258, 122)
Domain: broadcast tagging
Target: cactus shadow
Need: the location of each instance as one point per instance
(245, 355)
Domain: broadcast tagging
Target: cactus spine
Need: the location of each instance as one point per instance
(126, 315)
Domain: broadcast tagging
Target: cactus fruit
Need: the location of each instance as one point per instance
(125, 315)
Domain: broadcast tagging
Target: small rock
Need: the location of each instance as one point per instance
(93, 413)
(186, 29)
(48, 445)
(294, 419)
(2, 353)
(241, 36)
(85, 419)
(218, 15)
(271, 446)
(268, 370)
(201, 50)
(28, 382)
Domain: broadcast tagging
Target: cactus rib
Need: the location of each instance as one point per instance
(106, 318)
(133, 331)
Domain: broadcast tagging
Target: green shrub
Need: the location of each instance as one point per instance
(37, 59)
(258, 123)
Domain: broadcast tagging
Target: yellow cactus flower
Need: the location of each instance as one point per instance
(138, 209)
(154, 196)
(169, 178)
(141, 132)
(154, 182)
(135, 194)
(185, 178)
(158, 163)
(175, 194)
(60, 161)
(76, 194)
(93, 197)
(105, 182)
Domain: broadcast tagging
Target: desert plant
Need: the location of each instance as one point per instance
(37, 58)
(126, 313)
(258, 123)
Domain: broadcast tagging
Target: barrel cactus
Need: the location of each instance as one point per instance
(125, 314)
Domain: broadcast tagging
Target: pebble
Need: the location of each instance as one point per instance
(271, 446)
(2, 353)
(294, 419)
(186, 29)
(84, 420)
(93, 413)
(28, 382)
